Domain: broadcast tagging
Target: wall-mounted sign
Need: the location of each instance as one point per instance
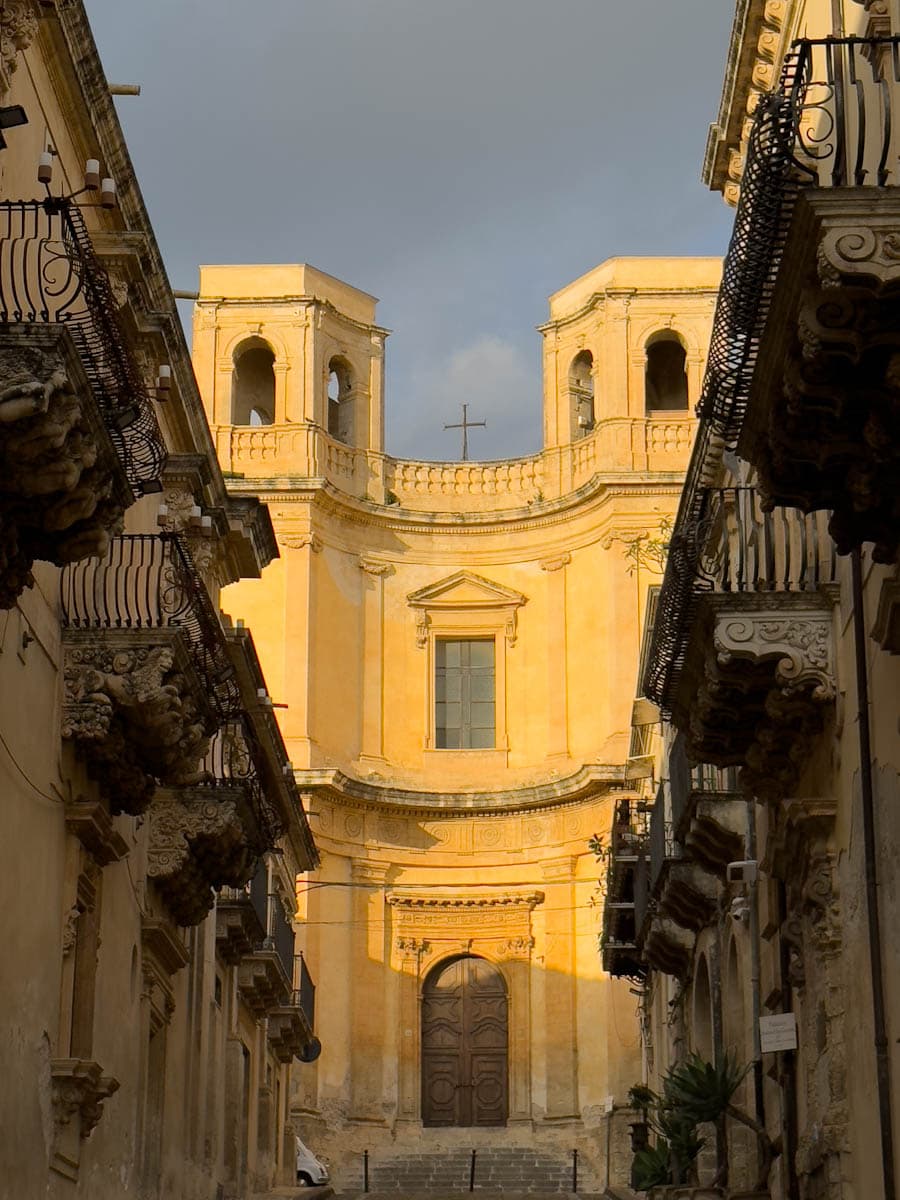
(778, 1032)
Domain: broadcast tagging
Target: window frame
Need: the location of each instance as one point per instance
(467, 674)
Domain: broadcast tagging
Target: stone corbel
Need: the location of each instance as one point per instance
(138, 712)
(18, 25)
(801, 646)
(90, 822)
(62, 488)
(179, 827)
(79, 1087)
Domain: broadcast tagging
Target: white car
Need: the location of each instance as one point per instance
(310, 1171)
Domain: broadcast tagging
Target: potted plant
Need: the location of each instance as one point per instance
(695, 1092)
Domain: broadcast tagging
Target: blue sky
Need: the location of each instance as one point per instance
(460, 159)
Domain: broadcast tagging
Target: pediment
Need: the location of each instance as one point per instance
(465, 590)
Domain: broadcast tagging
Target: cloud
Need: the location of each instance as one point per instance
(500, 387)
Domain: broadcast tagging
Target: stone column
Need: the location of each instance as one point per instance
(557, 659)
(518, 971)
(368, 979)
(559, 989)
(280, 370)
(374, 574)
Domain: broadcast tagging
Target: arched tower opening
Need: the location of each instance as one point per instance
(340, 400)
(665, 378)
(581, 394)
(253, 383)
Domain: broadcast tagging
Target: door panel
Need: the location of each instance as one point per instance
(464, 1045)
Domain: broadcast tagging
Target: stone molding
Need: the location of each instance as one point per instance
(163, 953)
(886, 628)
(465, 599)
(78, 1088)
(137, 710)
(90, 822)
(63, 491)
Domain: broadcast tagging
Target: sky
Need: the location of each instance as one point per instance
(459, 159)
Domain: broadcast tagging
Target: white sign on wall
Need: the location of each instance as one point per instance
(778, 1032)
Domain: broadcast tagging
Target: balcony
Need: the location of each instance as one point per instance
(78, 435)
(290, 1026)
(265, 974)
(709, 813)
(626, 889)
(148, 677)
(802, 374)
(242, 918)
(742, 653)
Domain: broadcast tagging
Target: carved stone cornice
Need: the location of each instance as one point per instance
(669, 947)
(821, 422)
(288, 1032)
(689, 895)
(196, 842)
(62, 488)
(90, 822)
(137, 710)
(239, 931)
(262, 983)
(78, 1088)
(761, 681)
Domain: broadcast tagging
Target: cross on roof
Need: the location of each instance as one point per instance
(465, 425)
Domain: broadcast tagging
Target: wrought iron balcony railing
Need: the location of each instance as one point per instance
(49, 274)
(732, 547)
(664, 849)
(304, 990)
(236, 757)
(148, 581)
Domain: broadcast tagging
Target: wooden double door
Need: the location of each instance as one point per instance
(464, 1045)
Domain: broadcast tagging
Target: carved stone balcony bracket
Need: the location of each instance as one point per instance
(136, 708)
(821, 422)
(78, 1089)
(262, 982)
(766, 680)
(196, 843)
(91, 823)
(886, 629)
(62, 488)
(669, 947)
(18, 25)
(239, 930)
(715, 836)
(689, 896)
(288, 1032)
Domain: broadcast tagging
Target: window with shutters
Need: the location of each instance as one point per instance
(464, 672)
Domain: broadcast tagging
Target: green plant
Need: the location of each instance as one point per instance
(642, 1098)
(651, 1167)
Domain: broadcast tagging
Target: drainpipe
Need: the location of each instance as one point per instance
(882, 1062)
(755, 1001)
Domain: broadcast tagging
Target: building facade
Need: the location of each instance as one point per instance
(452, 648)
(152, 830)
(752, 895)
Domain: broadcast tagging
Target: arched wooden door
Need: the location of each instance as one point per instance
(464, 1045)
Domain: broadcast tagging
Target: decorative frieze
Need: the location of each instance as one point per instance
(62, 489)
(135, 706)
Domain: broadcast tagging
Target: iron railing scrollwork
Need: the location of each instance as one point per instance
(235, 756)
(304, 990)
(148, 581)
(663, 847)
(50, 274)
(830, 123)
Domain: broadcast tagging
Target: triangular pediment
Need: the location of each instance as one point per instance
(465, 590)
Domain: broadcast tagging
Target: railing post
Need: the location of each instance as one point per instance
(574, 1170)
(365, 1170)
(472, 1172)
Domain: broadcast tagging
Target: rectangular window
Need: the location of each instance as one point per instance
(464, 694)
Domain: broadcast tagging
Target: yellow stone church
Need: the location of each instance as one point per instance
(452, 648)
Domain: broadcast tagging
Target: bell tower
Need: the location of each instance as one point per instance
(290, 363)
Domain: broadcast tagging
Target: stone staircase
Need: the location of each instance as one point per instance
(510, 1169)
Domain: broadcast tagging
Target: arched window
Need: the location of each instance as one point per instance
(340, 401)
(581, 393)
(253, 384)
(665, 379)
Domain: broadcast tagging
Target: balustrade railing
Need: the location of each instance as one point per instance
(49, 274)
(280, 934)
(235, 757)
(148, 581)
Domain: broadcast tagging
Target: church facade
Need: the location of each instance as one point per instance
(452, 646)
